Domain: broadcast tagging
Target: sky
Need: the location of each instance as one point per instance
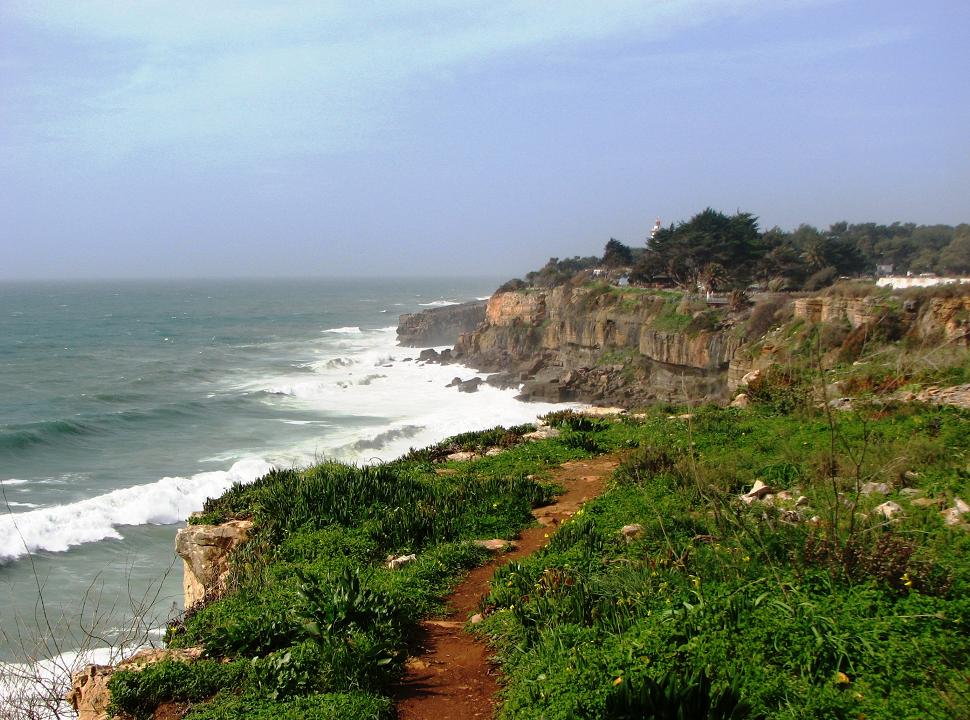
(168, 138)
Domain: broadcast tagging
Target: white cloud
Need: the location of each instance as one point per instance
(224, 78)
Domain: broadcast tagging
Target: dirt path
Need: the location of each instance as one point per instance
(452, 679)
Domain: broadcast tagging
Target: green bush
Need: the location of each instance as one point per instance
(139, 692)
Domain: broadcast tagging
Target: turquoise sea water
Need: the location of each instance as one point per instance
(123, 405)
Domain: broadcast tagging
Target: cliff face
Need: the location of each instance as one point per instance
(439, 326)
(628, 347)
(595, 345)
(929, 321)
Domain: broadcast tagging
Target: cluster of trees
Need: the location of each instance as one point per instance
(717, 252)
(721, 252)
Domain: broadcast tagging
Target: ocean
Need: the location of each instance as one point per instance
(124, 405)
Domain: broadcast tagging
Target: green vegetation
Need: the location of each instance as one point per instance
(718, 252)
(313, 624)
(718, 608)
(669, 596)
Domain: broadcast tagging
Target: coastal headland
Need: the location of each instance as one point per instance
(789, 486)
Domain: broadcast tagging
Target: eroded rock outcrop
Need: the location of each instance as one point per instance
(439, 326)
(89, 695)
(581, 343)
(205, 550)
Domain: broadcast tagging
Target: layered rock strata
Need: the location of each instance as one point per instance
(583, 344)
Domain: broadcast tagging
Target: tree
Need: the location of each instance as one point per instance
(616, 254)
(689, 251)
(955, 257)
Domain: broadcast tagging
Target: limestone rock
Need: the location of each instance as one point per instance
(742, 401)
(749, 378)
(476, 618)
(604, 411)
(954, 515)
(631, 532)
(89, 694)
(543, 433)
(396, 561)
(205, 550)
(757, 492)
(495, 545)
(790, 516)
(461, 456)
(493, 451)
(874, 488)
(889, 509)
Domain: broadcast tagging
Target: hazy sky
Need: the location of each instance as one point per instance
(174, 138)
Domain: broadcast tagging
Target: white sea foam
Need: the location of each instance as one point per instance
(409, 401)
(344, 331)
(439, 303)
(14, 481)
(165, 501)
(36, 689)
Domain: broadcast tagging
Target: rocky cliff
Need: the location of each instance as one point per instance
(600, 344)
(439, 326)
(627, 346)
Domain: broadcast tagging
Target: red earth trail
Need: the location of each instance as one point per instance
(452, 677)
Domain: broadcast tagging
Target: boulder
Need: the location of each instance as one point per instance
(476, 618)
(396, 561)
(757, 492)
(495, 545)
(470, 386)
(454, 381)
(461, 456)
(874, 488)
(889, 510)
(493, 451)
(631, 532)
(954, 515)
(543, 433)
(205, 550)
(429, 355)
(749, 378)
(604, 411)
(742, 402)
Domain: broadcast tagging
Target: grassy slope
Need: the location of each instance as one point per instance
(799, 619)
(314, 625)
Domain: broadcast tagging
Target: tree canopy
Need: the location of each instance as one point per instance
(710, 250)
